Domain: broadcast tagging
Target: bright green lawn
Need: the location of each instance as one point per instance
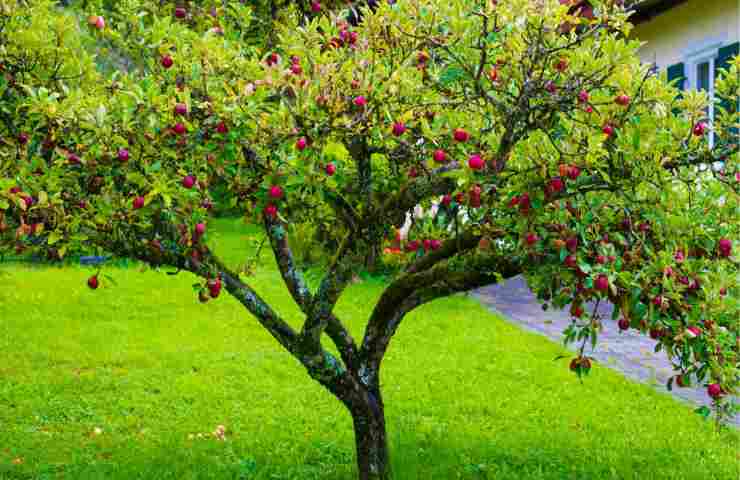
(468, 395)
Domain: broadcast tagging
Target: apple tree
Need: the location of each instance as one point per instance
(576, 165)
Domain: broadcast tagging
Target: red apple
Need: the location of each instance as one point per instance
(188, 181)
(475, 162)
(181, 109)
(574, 172)
(572, 244)
(435, 244)
(200, 229)
(601, 259)
(138, 203)
(276, 192)
(123, 155)
(602, 283)
(725, 247)
(460, 135)
(608, 129)
(446, 200)
(296, 69)
(360, 101)
(92, 282)
(571, 261)
(222, 128)
(551, 87)
(700, 129)
(427, 244)
(330, 169)
(583, 96)
(315, 7)
(714, 390)
(556, 185)
(622, 100)
(100, 23)
(179, 128)
(270, 211)
(301, 143)
(623, 324)
(531, 238)
(214, 287)
(440, 156)
(23, 138)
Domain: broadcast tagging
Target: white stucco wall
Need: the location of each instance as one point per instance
(671, 34)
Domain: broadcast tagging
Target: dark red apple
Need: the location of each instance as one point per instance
(180, 12)
(92, 282)
(222, 128)
(399, 129)
(138, 202)
(166, 61)
(179, 128)
(602, 283)
(608, 129)
(181, 109)
(531, 238)
(23, 138)
(572, 244)
(623, 324)
(583, 96)
(330, 169)
(301, 143)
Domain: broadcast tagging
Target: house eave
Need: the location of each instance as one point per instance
(646, 10)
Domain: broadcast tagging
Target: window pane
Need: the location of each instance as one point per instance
(702, 76)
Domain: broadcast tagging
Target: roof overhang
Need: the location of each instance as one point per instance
(646, 10)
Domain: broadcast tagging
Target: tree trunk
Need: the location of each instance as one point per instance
(370, 439)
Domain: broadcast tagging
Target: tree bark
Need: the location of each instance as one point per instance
(371, 440)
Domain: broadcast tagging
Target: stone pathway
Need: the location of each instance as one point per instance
(628, 352)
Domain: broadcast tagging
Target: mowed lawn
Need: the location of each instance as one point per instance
(118, 383)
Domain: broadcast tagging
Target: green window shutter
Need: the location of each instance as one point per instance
(724, 55)
(677, 71)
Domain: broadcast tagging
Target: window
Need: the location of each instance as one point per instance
(700, 62)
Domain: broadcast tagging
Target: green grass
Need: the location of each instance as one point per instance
(468, 395)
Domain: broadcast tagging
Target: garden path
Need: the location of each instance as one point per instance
(628, 352)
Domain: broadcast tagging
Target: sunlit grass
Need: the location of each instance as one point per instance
(468, 395)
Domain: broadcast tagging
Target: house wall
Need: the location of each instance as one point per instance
(671, 34)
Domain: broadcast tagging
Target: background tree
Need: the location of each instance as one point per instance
(578, 166)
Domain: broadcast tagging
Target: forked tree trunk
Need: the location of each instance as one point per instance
(371, 440)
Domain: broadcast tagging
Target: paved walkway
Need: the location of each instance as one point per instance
(629, 352)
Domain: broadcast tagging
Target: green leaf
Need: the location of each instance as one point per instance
(704, 411)
(54, 237)
(450, 75)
